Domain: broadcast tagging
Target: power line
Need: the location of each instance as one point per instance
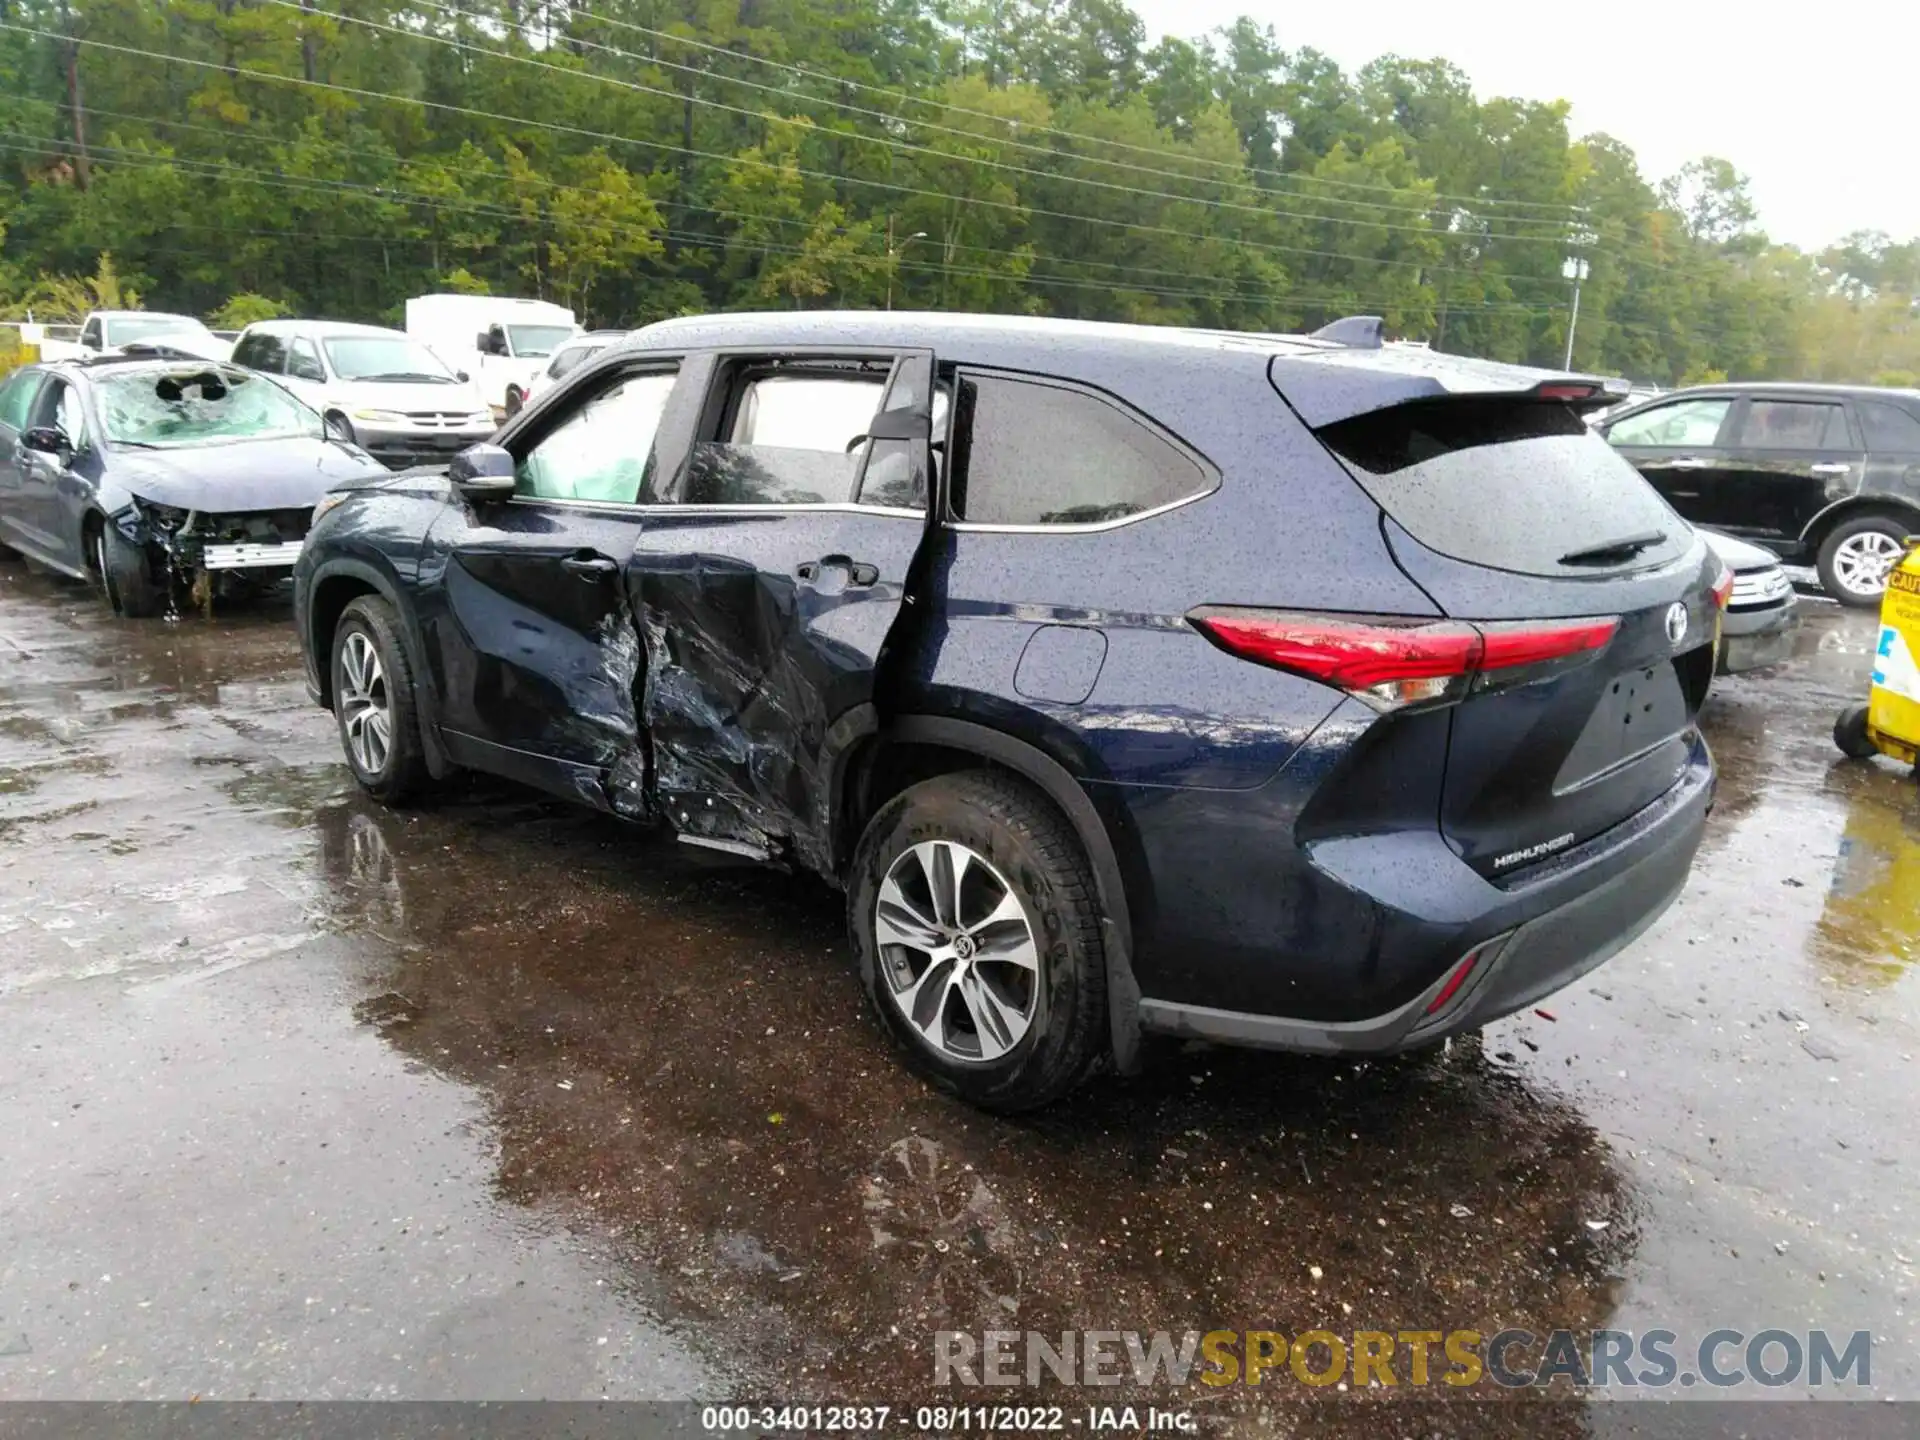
(1559, 240)
(1022, 210)
(580, 12)
(326, 186)
(497, 177)
(1567, 212)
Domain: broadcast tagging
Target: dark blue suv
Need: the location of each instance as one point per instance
(1270, 690)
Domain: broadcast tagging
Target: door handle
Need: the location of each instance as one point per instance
(858, 572)
(1689, 462)
(1831, 467)
(589, 566)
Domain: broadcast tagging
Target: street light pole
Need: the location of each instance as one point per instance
(1575, 269)
(891, 253)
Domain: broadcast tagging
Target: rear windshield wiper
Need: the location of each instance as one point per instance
(1624, 548)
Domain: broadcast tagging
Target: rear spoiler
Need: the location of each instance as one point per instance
(1339, 382)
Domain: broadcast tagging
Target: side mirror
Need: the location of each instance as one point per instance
(47, 439)
(482, 472)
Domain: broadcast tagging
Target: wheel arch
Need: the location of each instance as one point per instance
(336, 584)
(875, 761)
(1818, 528)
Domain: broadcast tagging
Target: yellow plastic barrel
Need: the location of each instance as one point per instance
(1893, 705)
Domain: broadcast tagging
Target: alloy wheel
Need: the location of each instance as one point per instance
(365, 716)
(957, 951)
(1862, 562)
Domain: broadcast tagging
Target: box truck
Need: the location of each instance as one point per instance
(502, 343)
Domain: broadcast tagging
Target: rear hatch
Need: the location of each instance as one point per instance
(1509, 512)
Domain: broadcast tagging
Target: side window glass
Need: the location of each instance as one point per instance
(1041, 454)
(303, 361)
(243, 349)
(1683, 425)
(270, 354)
(1889, 428)
(71, 416)
(894, 478)
(16, 398)
(90, 336)
(792, 439)
(604, 449)
(1794, 425)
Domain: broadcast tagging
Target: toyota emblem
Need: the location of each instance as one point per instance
(1676, 623)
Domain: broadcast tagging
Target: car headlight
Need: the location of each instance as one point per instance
(327, 502)
(389, 417)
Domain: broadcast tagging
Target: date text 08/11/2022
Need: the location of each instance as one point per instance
(943, 1419)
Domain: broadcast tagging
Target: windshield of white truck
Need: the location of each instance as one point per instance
(536, 342)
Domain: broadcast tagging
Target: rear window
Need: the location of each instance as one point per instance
(1516, 485)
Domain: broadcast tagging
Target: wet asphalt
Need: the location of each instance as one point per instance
(496, 1098)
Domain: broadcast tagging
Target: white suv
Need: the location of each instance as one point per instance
(381, 388)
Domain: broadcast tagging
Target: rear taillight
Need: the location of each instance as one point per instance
(1391, 663)
(1723, 588)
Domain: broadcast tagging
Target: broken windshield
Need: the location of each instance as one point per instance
(185, 405)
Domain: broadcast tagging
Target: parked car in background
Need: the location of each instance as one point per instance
(108, 331)
(380, 388)
(1825, 475)
(500, 341)
(1762, 611)
(163, 480)
(568, 358)
(1116, 673)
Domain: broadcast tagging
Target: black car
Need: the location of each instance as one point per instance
(162, 477)
(1262, 690)
(1825, 475)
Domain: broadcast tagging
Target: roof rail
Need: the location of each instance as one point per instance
(1356, 332)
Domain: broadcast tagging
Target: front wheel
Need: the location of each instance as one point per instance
(973, 913)
(125, 575)
(1859, 554)
(373, 702)
(515, 397)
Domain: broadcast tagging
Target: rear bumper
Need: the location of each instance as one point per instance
(1578, 910)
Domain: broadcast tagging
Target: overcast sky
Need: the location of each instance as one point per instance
(1815, 103)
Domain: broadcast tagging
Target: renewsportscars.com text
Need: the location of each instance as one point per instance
(1653, 1359)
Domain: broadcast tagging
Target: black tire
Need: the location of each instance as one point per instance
(126, 576)
(515, 398)
(1890, 526)
(342, 427)
(1850, 734)
(401, 769)
(1030, 849)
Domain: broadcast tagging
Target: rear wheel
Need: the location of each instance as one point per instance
(1858, 555)
(373, 702)
(1850, 734)
(125, 576)
(972, 910)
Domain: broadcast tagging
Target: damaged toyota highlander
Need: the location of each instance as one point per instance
(1293, 692)
(162, 480)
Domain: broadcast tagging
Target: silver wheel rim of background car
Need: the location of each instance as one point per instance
(956, 951)
(363, 703)
(1862, 562)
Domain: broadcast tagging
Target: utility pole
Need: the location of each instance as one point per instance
(1575, 269)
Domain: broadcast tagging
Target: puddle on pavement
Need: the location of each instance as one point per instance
(681, 1055)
